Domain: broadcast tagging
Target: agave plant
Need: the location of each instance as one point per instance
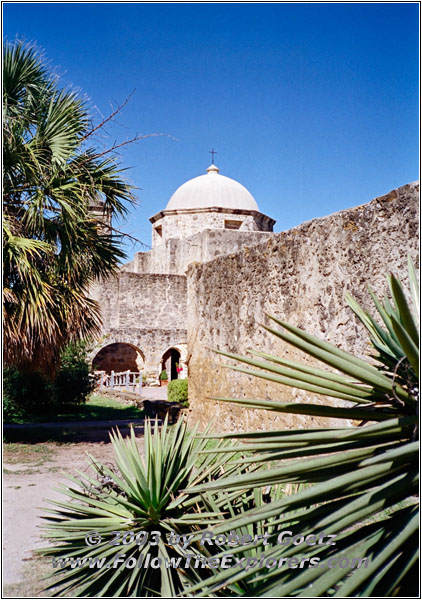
(362, 481)
(137, 510)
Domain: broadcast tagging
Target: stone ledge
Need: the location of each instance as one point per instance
(162, 408)
(128, 397)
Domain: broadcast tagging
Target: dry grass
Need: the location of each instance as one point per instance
(32, 584)
(34, 454)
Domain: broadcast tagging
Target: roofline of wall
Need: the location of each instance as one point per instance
(218, 209)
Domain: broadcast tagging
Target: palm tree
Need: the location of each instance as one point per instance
(59, 194)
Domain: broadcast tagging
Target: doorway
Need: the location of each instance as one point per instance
(118, 357)
(170, 363)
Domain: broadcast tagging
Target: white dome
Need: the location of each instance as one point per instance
(211, 190)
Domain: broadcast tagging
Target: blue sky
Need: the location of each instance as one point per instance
(313, 107)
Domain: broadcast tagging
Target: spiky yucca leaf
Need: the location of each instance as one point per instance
(363, 479)
(144, 494)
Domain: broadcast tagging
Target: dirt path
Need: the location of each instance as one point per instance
(31, 472)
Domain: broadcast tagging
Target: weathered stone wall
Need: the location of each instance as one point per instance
(175, 255)
(184, 223)
(145, 310)
(300, 276)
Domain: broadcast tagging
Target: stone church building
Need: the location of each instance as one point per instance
(216, 271)
(144, 307)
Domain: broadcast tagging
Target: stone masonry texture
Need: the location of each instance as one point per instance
(184, 223)
(147, 311)
(300, 276)
(174, 255)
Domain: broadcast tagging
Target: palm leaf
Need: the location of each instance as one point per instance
(54, 247)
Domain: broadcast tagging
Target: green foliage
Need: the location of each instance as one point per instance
(73, 382)
(29, 394)
(178, 391)
(25, 394)
(143, 494)
(163, 376)
(361, 481)
(59, 192)
(104, 408)
(96, 408)
(355, 483)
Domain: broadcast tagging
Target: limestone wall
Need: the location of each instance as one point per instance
(145, 310)
(300, 276)
(175, 255)
(183, 223)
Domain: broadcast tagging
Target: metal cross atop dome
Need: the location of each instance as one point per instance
(212, 152)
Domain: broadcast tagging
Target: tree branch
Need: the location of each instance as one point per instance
(109, 118)
(131, 141)
(127, 235)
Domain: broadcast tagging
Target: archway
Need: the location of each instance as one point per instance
(118, 357)
(170, 363)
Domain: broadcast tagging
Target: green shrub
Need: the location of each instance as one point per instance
(73, 382)
(178, 391)
(25, 394)
(29, 394)
(163, 376)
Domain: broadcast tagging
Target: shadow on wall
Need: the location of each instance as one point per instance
(119, 357)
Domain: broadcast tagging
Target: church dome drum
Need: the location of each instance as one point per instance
(208, 202)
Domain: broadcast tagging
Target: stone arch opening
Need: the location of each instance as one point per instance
(170, 363)
(118, 357)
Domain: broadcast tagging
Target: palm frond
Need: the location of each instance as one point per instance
(54, 244)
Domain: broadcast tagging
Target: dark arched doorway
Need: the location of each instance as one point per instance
(170, 363)
(118, 357)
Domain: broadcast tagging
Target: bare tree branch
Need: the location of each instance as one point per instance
(127, 235)
(131, 141)
(109, 118)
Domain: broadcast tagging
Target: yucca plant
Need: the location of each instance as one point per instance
(362, 480)
(142, 495)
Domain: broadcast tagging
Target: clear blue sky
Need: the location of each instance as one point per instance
(313, 107)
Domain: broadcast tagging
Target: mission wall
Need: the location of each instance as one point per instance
(300, 276)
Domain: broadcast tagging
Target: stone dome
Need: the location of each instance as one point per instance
(211, 190)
